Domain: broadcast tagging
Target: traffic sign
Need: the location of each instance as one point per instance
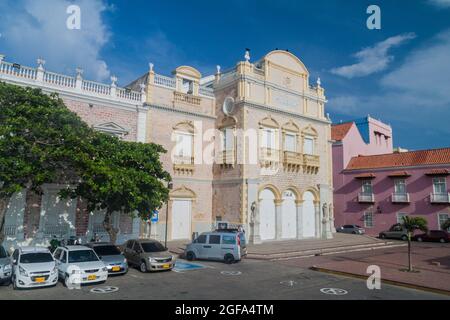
(155, 216)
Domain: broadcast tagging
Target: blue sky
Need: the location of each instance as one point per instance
(400, 74)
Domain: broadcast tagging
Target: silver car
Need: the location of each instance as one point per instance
(351, 228)
(217, 245)
(114, 260)
(5, 267)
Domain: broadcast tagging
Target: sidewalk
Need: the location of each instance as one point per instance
(433, 262)
(308, 247)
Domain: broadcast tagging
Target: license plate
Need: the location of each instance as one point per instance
(39, 280)
(92, 277)
(115, 268)
(166, 266)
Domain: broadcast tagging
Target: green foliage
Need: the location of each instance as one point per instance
(40, 139)
(412, 224)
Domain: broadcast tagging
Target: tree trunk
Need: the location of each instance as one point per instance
(4, 201)
(109, 227)
(410, 268)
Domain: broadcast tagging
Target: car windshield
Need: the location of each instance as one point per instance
(37, 257)
(3, 253)
(153, 247)
(108, 250)
(82, 256)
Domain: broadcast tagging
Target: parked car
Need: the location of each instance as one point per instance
(433, 236)
(5, 266)
(33, 267)
(148, 255)
(396, 231)
(351, 228)
(81, 262)
(114, 260)
(217, 245)
(242, 238)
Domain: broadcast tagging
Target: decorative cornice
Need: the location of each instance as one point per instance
(176, 110)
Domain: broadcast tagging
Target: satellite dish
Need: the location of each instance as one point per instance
(228, 106)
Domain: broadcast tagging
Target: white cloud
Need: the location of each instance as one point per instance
(372, 59)
(33, 29)
(440, 3)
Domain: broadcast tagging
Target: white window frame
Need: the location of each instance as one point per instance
(266, 142)
(228, 145)
(367, 213)
(366, 182)
(179, 147)
(396, 183)
(439, 219)
(442, 181)
(291, 136)
(309, 138)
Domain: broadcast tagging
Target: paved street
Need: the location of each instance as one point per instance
(249, 279)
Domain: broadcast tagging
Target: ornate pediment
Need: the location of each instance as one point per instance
(111, 128)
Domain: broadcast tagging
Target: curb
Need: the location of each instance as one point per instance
(386, 281)
(323, 252)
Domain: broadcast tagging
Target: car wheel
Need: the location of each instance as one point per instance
(190, 256)
(229, 258)
(442, 240)
(404, 238)
(354, 232)
(143, 267)
(420, 239)
(67, 282)
(382, 236)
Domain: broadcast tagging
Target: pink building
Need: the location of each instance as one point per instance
(375, 186)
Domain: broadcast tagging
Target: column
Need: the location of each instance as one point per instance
(141, 124)
(318, 218)
(278, 219)
(253, 211)
(299, 206)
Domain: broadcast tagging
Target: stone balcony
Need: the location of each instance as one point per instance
(183, 164)
(311, 163)
(366, 198)
(226, 158)
(186, 98)
(292, 161)
(440, 198)
(400, 198)
(269, 157)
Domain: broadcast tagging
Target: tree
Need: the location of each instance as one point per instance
(446, 225)
(412, 224)
(41, 141)
(121, 176)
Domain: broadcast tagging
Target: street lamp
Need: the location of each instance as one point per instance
(170, 187)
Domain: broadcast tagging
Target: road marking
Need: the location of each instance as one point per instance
(186, 266)
(107, 289)
(334, 291)
(289, 283)
(231, 273)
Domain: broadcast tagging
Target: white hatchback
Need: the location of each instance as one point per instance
(79, 265)
(33, 267)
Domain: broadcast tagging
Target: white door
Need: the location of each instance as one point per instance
(267, 215)
(58, 216)
(289, 216)
(309, 215)
(181, 219)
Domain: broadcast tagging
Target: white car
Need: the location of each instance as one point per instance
(79, 265)
(33, 267)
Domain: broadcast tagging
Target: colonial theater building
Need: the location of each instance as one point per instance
(250, 145)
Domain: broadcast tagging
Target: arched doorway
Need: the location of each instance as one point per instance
(309, 215)
(267, 214)
(289, 215)
(181, 213)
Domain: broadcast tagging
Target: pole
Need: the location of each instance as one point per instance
(167, 219)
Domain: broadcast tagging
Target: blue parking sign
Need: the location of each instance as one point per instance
(155, 216)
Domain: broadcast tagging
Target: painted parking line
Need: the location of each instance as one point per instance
(183, 265)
